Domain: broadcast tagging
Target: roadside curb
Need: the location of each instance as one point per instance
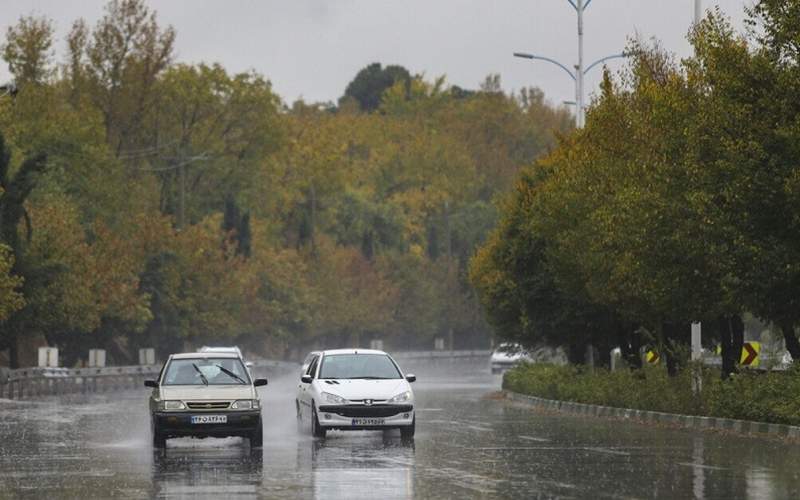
(686, 421)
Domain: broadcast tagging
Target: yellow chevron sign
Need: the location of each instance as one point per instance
(750, 351)
(652, 357)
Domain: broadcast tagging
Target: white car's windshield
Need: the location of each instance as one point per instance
(206, 371)
(363, 366)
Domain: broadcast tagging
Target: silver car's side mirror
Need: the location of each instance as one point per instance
(306, 379)
(151, 383)
(259, 382)
(411, 377)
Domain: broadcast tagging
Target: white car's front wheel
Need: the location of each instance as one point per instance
(316, 430)
(407, 432)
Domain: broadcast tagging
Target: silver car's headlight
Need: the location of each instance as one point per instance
(173, 405)
(333, 398)
(245, 404)
(401, 398)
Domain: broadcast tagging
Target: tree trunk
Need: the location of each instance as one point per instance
(604, 357)
(13, 350)
(576, 354)
(670, 338)
(737, 339)
(726, 344)
(630, 345)
(790, 339)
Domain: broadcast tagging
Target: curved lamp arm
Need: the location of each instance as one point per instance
(604, 59)
(574, 6)
(547, 59)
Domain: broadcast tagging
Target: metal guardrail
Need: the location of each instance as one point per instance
(407, 355)
(32, 382)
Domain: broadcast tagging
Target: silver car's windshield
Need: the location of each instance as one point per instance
(206, 371)
(365, 366)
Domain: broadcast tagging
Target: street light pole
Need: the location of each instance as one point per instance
(579, 72)
(577, 76)
(698, 11)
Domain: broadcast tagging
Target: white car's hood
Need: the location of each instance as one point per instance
(211, 392)
(363, 389)
(500, 356)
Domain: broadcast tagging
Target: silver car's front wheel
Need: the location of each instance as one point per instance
(159, 440)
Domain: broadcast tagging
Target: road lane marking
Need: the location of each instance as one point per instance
(609, 451)
(702, 466)
(538, 439)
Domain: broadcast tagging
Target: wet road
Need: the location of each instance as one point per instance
(467, 446)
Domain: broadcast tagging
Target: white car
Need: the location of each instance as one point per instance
(506, 355)
(355, 389)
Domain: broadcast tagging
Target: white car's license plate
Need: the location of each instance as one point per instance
(209, 419)
(369, 421)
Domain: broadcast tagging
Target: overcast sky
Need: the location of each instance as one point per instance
(313, 48)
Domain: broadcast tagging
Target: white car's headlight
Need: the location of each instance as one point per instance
(333, 398)
(245, 404)
(401, 398)
(173, 405)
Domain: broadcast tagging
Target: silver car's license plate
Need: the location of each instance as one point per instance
(209, 419)
(369, 421)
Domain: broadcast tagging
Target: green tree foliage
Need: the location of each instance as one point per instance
(371, 82)
(149, 203)
(28, 50)
(664, 209)
(116, 66)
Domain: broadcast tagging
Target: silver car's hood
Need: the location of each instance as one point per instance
(364, 389)
(211, 392)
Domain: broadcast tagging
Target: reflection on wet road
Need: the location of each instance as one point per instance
(466, 446)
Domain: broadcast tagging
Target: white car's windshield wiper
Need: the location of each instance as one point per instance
(368, 378)
(231, 374)
(203, 377)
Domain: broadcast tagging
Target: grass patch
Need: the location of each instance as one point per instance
(772, 397)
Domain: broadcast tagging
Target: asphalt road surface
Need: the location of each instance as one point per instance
(467, 445)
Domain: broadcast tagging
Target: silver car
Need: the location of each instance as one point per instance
(205, 395)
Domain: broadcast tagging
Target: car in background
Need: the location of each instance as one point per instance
(355, 389)
(506, 355)
(233, 349)
(205, 394)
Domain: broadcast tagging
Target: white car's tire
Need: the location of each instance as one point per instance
(316, 430)
(408, 431)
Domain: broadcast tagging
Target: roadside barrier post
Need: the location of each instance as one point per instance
(697, 357)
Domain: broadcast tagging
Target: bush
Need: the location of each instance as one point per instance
(765, 397)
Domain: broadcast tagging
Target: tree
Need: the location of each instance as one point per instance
(117, 65)
(370, 83)
(28, 50)
(211, 132)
